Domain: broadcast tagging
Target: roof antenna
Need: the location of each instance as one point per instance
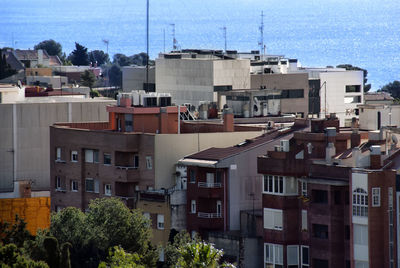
(261, 28)
(224, 32)
(147, 47)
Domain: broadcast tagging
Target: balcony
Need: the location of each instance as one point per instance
(209, 185)
(127, 173)
(206, 215)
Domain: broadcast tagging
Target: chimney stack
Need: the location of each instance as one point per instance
(228, 120)
(375, 157)
(330, 150)
(40, 56)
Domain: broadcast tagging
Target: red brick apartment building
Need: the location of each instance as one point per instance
(330, 199)
(136, 150)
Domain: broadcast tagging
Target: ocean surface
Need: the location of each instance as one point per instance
(364, 33)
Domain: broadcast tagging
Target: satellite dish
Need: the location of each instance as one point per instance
(394, 139)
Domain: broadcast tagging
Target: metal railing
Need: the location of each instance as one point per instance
(209, 215)
(209, 185)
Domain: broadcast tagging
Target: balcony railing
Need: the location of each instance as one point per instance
(126, 167)
(209, 185)
(209, 215)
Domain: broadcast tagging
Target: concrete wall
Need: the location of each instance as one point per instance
(25, 138)
(368, 119)
(133, 77)
(167, 153)
(38, 71)
(54, 81)
(232, 72)
(336, 92)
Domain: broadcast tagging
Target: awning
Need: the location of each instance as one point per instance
(198, 162)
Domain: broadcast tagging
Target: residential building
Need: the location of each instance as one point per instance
(33, 58)
(134, 78)
(376, 116)
(378, 98)
(328, 199)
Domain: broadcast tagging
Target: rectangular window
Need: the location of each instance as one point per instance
(352, 99)
(273, 219)
(218, 177)
(193, 207)
(58, 153)
(91, 185)
(210, 178)
(320, 263)
(292, 255)
(192, 177)
(305, 256)
(320, 231)
(273, 255)
(360, 233)
(107, 189)
(160, 221)
(304, 224)
(376, 197)
(74, 186)
(58, 183)
(280, 185)
(136, 161)
(96, 156)
(91, 156)
(107, 159)
(74, 156)
(219, 208)
(304, 188)
(320, 196)
(149, 162)
(353, 88)
(128, 123)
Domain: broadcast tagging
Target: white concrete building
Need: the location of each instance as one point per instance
(11, 93)
(134, 78)
(192, 78)
(375, 116)
(24, 132)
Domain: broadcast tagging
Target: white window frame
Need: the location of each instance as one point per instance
(107, 189)
(304, 220)
(193, 207)
(376, 197)
(149, 162)
(74, 154)
(74, 186)
(219, 208)
(360, 202)
(277, 254)
(290, 261)
(276, 223)
(58, 183)
(58, 154)
(277, 187)
(95, 185)
(108, 154)
(301, 257)
(160, 221)
(91, 156)
(304, 189)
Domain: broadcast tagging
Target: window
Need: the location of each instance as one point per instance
(107, 189)
(210, 178)
(128, 123)
(360, 233)
(376, 197)
(218, 177)
(91, 156)
(107, 159)
(193, 207)
(280, 185)
(320, 231)
(305, 256)
(292, 256)
(160, 221)
(304, 224)
(337, 197)
(361, 264)
(320, 196)
(353, 88)
(74, 156)
(360, 203)
(91, 185)
(58, 153)
(273, 255)
(352, 99)
(149, 162)
(58, 183)
(136, 161)
(304, 188)
(192, 178)
(292, 93)
(74, 186)
(320, 263)
(219, 208)
(273, 219)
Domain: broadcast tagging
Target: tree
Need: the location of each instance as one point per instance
(200, 254)
(5, 68)
(172, 253)
(121, 60)
(52, 47)
(115, 75)
(350, 67)
(88, 80)
(393, 88)
(118, 258)
(79, 55)
(15, 233)
(98, 56)
(12, 256)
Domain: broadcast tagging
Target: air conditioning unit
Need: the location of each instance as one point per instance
(285, 145)
(278, 148)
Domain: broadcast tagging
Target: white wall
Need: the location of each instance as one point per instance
(133, 77)
(10, 94)
(368, 120)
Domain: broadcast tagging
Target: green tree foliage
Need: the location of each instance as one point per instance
(121, 60)
(200, 254)
(52, 47)
(136, 59)
(79, 56)
(12, 256)
(98, 56)
(171, 251)
(115, 75)
(88, 79)
(350, 67)
(5, 68)
(118, 258)
(15, 233)
(393, 88)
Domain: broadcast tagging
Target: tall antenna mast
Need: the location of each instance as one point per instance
(261, 43)
(105, 41)
(164, 38)
(147, 47)
(174, 42)
(224, 31)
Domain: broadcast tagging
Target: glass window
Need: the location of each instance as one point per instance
(273, 255)
(376, 197)
(304, 224)
(149, 162)
(360, 233)
(74, 186)
(192, 177)
(273, 219)
(58, 153)
(89, 185)
(136, 161)
(305, 255)
(320, 231)
(353, 88)
(193, 207)
(304, 188)
(91, 156)
(74, 156)
(360, 203)
(292, 255)
(107, 159)
(107, 189)
(160, 221)
(320, 196)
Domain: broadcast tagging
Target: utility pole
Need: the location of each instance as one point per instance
(147, 47)
(105, 41)
(174, 42)
(261, 28)
(224, 32)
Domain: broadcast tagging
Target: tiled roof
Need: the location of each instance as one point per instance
(377, 96)
(13, 61)
(29, 54)
(54, 61)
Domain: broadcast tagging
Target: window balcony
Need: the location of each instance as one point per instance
(206, 215)
(209, 185)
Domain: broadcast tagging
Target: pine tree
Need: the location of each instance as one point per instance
(79, 56)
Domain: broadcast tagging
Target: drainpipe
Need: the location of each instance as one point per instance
(179, 119)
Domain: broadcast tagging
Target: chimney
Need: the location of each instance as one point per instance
(330, 150)
(356, 156)
(355, 138)
(164, 121)
(228, 120)
(375, 157)
(40, 56)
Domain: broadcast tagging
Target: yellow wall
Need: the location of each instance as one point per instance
(38, 72)
(35, 211)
